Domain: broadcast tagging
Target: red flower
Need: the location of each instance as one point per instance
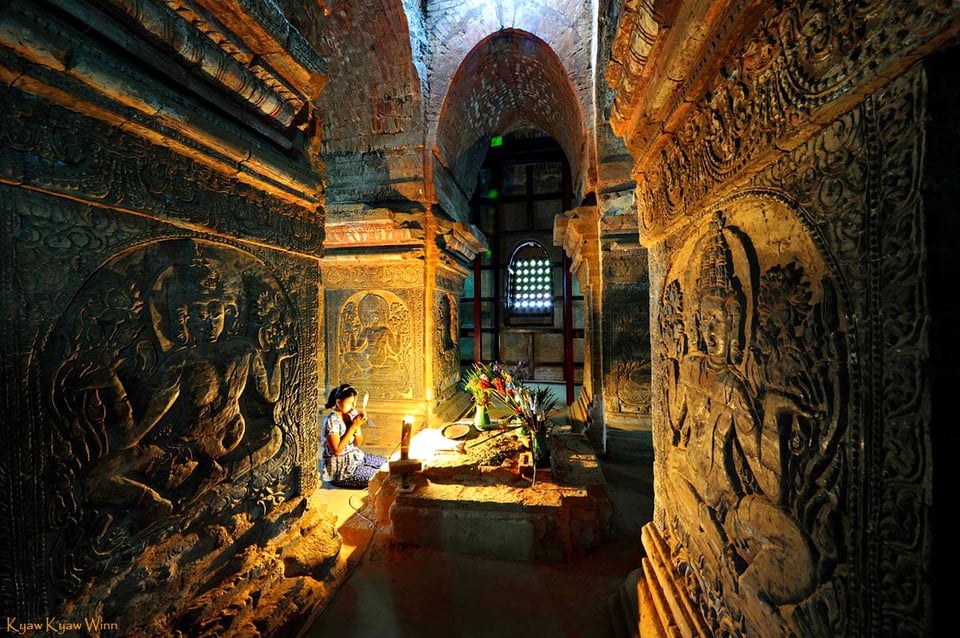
(499, 385)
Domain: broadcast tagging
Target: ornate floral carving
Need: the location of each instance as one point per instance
(218, 55)
(800, 59)
(835, 323)
(53, 149)
(859, 178)
(406, 275)
(639, 28)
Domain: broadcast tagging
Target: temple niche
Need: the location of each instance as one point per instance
(374, 344)
(446, 342)
(373, 340)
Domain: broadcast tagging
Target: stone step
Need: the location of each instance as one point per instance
(624, 617)
(623, 443)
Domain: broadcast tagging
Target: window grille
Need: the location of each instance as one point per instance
(530, 280)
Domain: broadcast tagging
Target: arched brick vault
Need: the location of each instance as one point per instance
(373, 97)
(391, 68)
(562, 27)
(372, 106)
(510, 77)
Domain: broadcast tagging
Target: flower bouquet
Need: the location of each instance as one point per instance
(477, 381)
(531, 407)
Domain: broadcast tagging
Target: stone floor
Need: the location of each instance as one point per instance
(400, 591)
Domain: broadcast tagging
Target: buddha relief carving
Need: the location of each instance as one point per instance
(628, 354)
(375, 344)
(753, 475)
(447, 327)
(164, 380)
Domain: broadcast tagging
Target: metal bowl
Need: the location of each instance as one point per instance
(457, 431)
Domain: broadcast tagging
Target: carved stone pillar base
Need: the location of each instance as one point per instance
(247, 572)
(663, 606)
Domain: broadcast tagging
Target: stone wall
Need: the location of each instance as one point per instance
(625, 317)
(769, 383)
(784, 219)
(160, 303)
(375, 338)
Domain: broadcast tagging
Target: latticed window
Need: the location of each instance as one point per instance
(530, 280)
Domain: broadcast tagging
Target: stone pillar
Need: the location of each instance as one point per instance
(161, 223)
(455, 247)
(781, 203)
(625, 326)
(577, 231)
(391, 288)
(602, 243)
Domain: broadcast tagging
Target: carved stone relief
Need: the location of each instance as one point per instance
(860, 178)
(837, 323)
(375, 345)
(626, 342)
(407, 275)
(447, 343)
(165, 375)
(53, 149)
(153, 381)
(626, 338)
(393, 368)
(799, 60)
(752, 348)
(223, 101)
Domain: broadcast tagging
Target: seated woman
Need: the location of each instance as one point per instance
(345, 463)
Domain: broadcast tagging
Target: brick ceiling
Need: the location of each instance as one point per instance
(510, 77)
(410, 80)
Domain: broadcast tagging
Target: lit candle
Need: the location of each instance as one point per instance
(405, 437)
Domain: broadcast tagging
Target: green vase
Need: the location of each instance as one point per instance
(481, 418)
(541, 448)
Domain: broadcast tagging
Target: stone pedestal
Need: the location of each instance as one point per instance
(493, 511)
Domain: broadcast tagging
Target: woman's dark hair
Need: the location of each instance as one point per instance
(339, 393)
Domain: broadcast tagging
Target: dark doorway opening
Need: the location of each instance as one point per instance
(522, 303)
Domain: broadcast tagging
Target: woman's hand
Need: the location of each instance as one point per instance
(358, 421)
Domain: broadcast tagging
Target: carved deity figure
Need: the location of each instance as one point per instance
(373, 344)
(726, 469)
(447, 327)
(374, 340)
(170, 435)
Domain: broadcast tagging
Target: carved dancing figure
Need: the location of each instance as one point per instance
(169, 452)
